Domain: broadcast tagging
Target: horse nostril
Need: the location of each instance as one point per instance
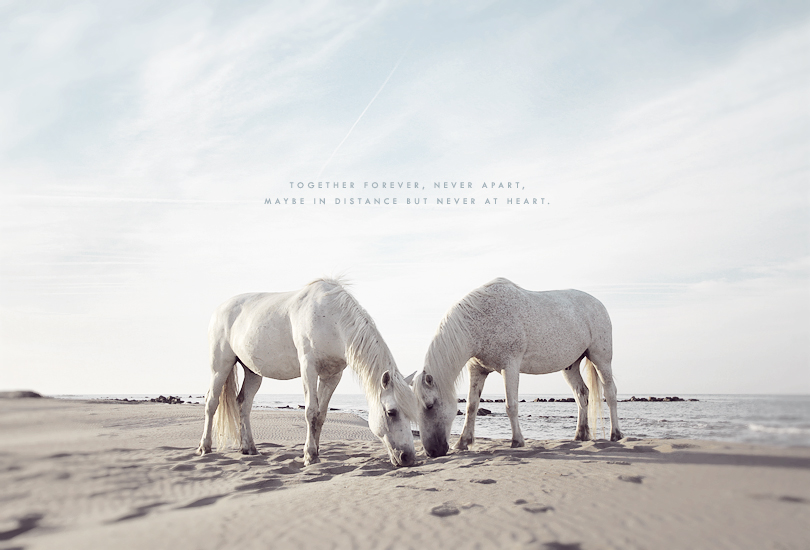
(406, 459)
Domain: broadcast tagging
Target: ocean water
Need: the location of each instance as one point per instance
(762, 419)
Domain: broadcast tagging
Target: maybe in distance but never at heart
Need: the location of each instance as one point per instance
(402, 185)
(396, 201)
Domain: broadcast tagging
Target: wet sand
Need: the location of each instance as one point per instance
(80, 474)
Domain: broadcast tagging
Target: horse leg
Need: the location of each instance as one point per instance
(309, 376)
(602, 363)
(478, 376)
(580, 389)
(326, 387)
(222, 362)
(250, 386)
(511, 379)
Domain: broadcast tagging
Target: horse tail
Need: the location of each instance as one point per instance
(594, 384)
(226, 418)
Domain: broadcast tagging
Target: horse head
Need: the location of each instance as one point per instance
(435, 414)
(390, 419)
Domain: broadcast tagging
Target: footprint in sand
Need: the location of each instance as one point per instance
(631, 479)
(139, 512)
(207, 501)
(285, 456)
(404, 473)
(445, 510)
(24, 524)
(533, 508)
(483, 481)
(262, 486)
(538, 508)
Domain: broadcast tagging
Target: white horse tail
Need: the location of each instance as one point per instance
(226, 419)
(595, 397)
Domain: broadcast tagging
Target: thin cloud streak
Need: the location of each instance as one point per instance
(364, 110)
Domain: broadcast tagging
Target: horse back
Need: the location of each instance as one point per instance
(546, 331)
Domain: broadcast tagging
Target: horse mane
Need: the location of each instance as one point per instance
(366, 351)
(450, 348)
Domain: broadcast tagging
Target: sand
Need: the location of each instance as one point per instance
(124, 475)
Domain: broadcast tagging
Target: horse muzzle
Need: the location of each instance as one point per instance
(436, 446)
(403, 458)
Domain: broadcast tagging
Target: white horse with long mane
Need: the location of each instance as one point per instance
(313, 333)
(502, 327)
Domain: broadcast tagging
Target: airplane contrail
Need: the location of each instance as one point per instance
(364, 110)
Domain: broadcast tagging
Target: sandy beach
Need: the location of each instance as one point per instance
(78, 474)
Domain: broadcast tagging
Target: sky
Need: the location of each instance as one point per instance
(143, 147)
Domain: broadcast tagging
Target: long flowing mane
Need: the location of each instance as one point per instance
(366, 351)
(453, 343)
(450, 348)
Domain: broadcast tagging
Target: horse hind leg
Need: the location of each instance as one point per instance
(250, 386)
(573, 376)
(603, 368)
(222, 364)
(478, 375)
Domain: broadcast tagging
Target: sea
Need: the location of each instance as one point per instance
(760, 419)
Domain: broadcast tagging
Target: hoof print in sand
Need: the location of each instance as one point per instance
(25, 524)
(483, 481)
(631, 479)
(561, 546)
(796, 500)
(538, 508)
(444, 510)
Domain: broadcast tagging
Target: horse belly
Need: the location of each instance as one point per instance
(547, 358)
(269, 352)
(544, 364)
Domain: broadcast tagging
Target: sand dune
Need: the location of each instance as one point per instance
(116, 475)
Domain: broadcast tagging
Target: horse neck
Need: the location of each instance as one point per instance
(449, 351)
(368, 355)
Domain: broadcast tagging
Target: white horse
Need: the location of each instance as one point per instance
(313, 333)
(502, 327)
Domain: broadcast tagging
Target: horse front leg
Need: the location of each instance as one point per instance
(326, 387)
(250, 386)
(511, 379)
(478, 375)
(312, 411)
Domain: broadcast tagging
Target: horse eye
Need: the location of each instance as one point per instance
(428, 407)
(392, 413)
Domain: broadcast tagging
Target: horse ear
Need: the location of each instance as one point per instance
(386, 379)
(409, 378)
(428, 380)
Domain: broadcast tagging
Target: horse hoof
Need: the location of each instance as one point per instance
(201, 451)
(462, 445)
(582, 436)
(308, 461)
(252, 451)
(516, 443)
(615, 436)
